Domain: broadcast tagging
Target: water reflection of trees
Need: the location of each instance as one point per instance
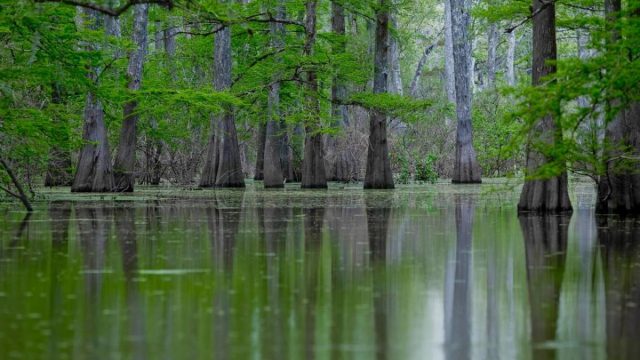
(619, 239)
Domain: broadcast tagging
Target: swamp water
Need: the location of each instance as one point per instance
(432, 272)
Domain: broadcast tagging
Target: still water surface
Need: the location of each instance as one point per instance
(341, 274)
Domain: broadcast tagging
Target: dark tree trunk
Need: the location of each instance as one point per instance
(59, 167)
(379, 174)
(619, 188)
(124, 166)
(262, 139)
(313, 167)
(544, 195)
(465, 168)
(545, 243)
(223, 167)
(273, 174)
(94, 172)
(341, 165)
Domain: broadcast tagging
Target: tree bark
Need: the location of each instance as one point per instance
(313, 167)
(394, 58)
(413, 90)
(379, 175)
(273, 174)
(124, 166)
(449, 66)
(492, 47)
(511, 59)
(544, 195)
(229, 173)
(94, 172)
(619, 188)
(466, 169)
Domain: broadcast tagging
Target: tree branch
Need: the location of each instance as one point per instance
(20, 195)
(115, 12)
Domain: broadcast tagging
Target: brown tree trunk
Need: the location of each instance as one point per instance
(544, 195)
(222, 167)
(465, 169)
(379, 174)
(124, 166)
(619, 188)
(273, 174)
(313, 167)
(94, 172)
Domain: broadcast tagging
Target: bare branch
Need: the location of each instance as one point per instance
(115, 12)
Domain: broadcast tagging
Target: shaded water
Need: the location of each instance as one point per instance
(411, 273)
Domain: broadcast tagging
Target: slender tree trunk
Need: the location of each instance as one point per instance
(262, 138)
(94, 172)
(124, 166)
(273, 174)
(313, 167)
(20, 194)
(466, 169)
(449, 66)
(619, 188)
(419, 69)
(59, 166)
(229, 173)
(379, 175)
(544, 195)
(492, 47)
(511, 59)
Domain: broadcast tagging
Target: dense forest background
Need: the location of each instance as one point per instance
(104, 95)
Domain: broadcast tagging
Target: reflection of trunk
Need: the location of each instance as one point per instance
(94, 172)
(545, 239)
(313, 222)
(619, 188)
(124, 165)
(379, 174)
(59, 166)
(59, 214)
(619, 240)
(549, 195)
(466, 168)
(458, 336)
(313, 167)
(125, 224)
(378, 219)
(223, 167)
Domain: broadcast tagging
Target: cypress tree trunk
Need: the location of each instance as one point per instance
(619, 188)
(466, 169)
(492, 47)
(124, 166)
(273, 174)
(342, 166)
(449, 68)
(222, 167)
(94, 172)
(379, 174)
(544, 195)
(511, 59)
(313, 167)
